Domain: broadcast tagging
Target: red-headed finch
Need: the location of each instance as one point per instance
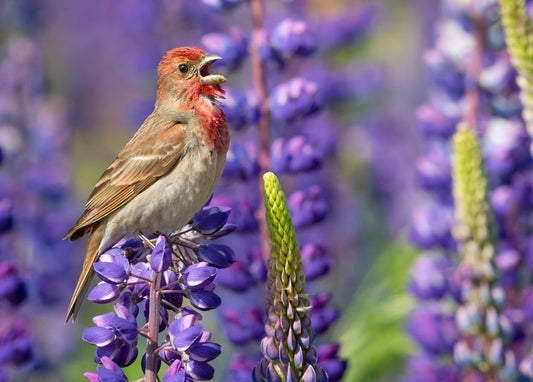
(169, 168)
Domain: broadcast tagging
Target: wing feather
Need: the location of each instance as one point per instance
(149, 155)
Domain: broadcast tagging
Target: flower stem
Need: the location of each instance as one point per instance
(153, 325)
(263, 125)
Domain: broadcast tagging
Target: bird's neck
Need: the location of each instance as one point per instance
(202, 101)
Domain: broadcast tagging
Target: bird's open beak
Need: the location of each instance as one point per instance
(206, 76)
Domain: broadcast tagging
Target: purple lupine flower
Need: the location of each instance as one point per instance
(12, 287)
(110, 371)
(429, 276)
(295, 155)
(431, 227)
(161, 257)
(295, 99)
(241, 162)
(223, 5)
(241, 368)
(217, 255)
(189, 338)
(322, 315)
(132, 274)
(506, 147)
(292, 38)
(328, 359)
(115, 336)
(343, 29)
(432, 122)
(232, 47)
(425, 369)
(34, 186)
(16, 345)
(6, 215)
(433, 170)
(435, 332)
(316, 260)
(240, 279)
(175, 372)
(308, 207)
(236, 109)
(490, 332)
(210, 219)
(244, 326)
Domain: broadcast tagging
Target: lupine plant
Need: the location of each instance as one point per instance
(282, 108)
(156, 276)
(288, 104)
(34, 186)
(473, 281)
(288, 349)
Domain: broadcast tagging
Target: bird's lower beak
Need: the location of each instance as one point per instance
(206, 76)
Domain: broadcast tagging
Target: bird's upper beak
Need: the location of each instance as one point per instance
(206, 76)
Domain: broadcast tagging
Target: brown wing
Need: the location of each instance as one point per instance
(151, 153)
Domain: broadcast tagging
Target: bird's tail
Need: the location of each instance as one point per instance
(82, 287)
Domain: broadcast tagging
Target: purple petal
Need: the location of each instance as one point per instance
(175, 373)
(171, 293)
(122, 354)
(205, 300)
(217, 255)
(110, 272)
(106, 375)
(103, 293)
(200, 370)
(115, 256)
(199, 275)
(183, 339)
(109, 364)
(204, 351)
(98, 336)
(211, 219)
(123, 311)
(92, 377)
(239, 279)
(161, 255)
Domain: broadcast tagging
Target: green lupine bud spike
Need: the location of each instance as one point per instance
(474, 217)
(478, 317)
(519, 39)
(287, 303)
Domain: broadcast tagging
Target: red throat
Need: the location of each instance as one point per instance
(211, 114)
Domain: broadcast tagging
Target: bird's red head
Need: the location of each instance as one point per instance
(185, 74)
(186, 83)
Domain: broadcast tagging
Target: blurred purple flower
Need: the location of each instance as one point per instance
(435, 332)
(232, 47)
(432, 122)
(16, 345)
(429, 279)
(295, 99)
(223, 5)
(328, 359)
(294, 155)
(12, 287)
(292, 38)
(308, 207)
(431, 227)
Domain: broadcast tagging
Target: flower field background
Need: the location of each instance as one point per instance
(400, 132)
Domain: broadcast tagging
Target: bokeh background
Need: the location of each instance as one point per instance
(78, 78)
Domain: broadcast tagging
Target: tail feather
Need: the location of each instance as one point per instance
(82, 287)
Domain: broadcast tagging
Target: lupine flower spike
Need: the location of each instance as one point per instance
(289, 354)
(479, 318)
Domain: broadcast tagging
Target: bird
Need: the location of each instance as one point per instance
(169, 168)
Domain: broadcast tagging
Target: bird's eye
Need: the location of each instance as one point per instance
(184, 68)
